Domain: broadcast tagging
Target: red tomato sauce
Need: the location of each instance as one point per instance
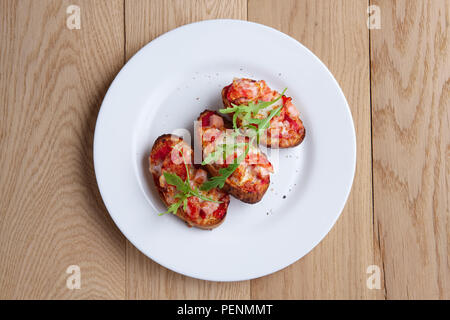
(178, 169)
(294, 125)
(221, 210)
(206, 119)
(193, 207)
(161, 153)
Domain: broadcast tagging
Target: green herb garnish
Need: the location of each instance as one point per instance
(223, 150)
(184, 189)
(262, 124)
(248, 113)
(219, 181)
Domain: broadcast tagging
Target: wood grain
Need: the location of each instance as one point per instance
(336, 32)
(146, 20)
(411, 112)
(397, 83)
(52, 82)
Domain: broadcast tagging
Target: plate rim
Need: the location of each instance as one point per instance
(112, 87)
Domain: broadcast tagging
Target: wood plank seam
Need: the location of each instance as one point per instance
(336, 32)
(376, 231)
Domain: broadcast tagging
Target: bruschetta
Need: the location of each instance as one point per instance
(248, 181)
(286, 129)
(178, 180)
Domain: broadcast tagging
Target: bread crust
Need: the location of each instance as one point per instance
(207, 225)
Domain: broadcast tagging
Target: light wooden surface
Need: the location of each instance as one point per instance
(52, 84)
(144, 21)
(396, 80)
(411, 151)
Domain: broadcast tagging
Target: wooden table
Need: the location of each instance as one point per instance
(396, 80)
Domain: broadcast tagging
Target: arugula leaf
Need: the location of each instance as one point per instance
(184, 161)
(214, 182)
(223, 150)
(251, 107)
(250, 110)
(213, 156)
(184, 189)
(173, 208)
(263, 124)
(219, 181)
(175, 180)
(196, 193)
(248, 114)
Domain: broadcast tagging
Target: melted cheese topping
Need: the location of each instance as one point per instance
(242, 91)
(197, 210)
(247, 171)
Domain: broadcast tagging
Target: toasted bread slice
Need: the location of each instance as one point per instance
(165, 158)
(250, 181)
(286, 130)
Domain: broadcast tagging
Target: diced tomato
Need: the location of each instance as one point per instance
(265, 179)
(258, 159)
(266, 94)
(206, 119)
(221, 210)
(252, 158)
(242, 88)
(178, 169)
(227, 91)
(292, 122)
(285, 99)
(262, 161)
(161, 153)
(193, 209)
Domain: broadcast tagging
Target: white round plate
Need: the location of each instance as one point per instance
(163, 88)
